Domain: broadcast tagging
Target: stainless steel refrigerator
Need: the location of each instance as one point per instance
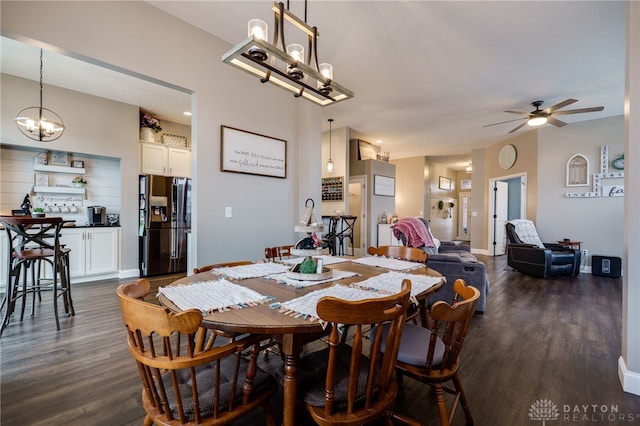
(165, 221)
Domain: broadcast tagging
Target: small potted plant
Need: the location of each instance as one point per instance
(37, 212)
(78, 182)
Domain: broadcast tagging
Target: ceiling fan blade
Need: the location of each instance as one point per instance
(503, 122)
(517, 112)
(579, 110)
(559, 105)
(556, 122)
(517, 128)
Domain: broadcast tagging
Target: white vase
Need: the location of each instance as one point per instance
(147, 135)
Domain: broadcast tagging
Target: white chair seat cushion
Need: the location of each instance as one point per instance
(415, 345)
(526, 231)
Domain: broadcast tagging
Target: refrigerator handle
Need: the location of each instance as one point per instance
(174, 242)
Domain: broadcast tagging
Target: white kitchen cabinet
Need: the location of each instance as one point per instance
(94, 251)
(95, 254)
(158, 159)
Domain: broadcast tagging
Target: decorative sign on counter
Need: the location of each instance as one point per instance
(252, 153)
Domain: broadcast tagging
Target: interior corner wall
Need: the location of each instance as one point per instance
(409, 187)
(600, 227)
(223, 95)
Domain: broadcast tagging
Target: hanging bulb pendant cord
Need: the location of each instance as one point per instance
(40, 111)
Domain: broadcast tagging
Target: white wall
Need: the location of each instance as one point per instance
(264, 209)
(93, 127)
(597, 222)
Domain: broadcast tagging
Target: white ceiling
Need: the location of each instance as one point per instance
(427, 75)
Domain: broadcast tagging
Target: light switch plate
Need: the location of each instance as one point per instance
(228, 212)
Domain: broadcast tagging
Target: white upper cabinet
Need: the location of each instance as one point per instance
(158, 159)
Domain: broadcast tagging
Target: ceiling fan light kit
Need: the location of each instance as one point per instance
(538, 117)
(284, 65)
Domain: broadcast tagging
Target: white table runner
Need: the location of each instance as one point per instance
(388, 263)
(254, 270)
(391, 282)
(209, 296)
(305, 306)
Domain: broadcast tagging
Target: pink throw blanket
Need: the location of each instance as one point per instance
(415, 232)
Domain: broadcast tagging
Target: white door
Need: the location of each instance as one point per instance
(74, 239)
(464, 216)
(500, 212)
(358, 207)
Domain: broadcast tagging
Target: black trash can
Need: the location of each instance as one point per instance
(606, 266)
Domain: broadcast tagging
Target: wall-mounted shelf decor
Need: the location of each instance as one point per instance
(333, 188)
(59, 169)
(599, 189)
(58, 189)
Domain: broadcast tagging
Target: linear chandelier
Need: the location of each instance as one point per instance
(39, 123)
(285, 65)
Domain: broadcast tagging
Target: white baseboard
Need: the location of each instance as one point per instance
(630, 380)
(129, 273)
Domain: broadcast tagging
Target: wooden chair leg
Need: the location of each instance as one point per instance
(463, 399)
(442, 405)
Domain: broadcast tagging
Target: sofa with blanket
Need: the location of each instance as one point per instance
(452, 260)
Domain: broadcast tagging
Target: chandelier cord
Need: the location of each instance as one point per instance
(40, 84)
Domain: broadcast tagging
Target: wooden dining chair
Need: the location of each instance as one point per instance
(410, 254)
(354, 384)
(273, 254)
(184, 380)
(221, 265)
(432, 355)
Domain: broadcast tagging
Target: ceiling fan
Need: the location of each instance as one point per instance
(538, 117)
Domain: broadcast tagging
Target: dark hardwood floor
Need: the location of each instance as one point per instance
(556, 339)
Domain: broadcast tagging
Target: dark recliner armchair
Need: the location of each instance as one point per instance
(528, 254)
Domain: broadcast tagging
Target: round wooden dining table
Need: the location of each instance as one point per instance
(293, 333)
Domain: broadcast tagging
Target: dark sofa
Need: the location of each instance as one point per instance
(453, 261)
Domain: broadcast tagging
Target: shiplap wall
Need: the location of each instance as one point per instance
(17, 180)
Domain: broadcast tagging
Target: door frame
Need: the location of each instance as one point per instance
(362, 214)
(492, 200)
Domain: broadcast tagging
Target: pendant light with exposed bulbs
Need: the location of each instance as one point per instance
(330, 162)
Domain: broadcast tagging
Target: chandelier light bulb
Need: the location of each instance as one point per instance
(326, 70)
(258, 28)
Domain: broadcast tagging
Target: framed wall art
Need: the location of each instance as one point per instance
(384, 185)
(59, 158)
(444, 183)
(251, 153)
(465, 184)
(77, 164)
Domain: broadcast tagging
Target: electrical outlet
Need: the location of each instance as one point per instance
(585, 253)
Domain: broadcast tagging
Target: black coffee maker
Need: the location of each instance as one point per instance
(97, 215)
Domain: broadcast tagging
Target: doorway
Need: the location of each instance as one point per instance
(508, 202)
(358, 207)
(464, 216)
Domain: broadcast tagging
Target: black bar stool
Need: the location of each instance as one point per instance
(31, 242)
(345, 232)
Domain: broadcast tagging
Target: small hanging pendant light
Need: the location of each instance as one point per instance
(330, 162)
(39, 123)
